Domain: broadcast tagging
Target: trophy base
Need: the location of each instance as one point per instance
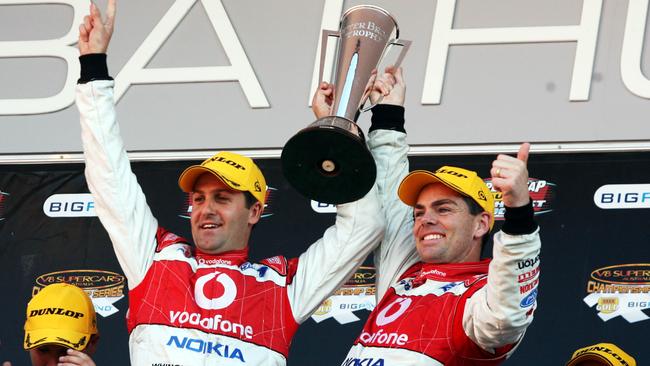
(328, 161)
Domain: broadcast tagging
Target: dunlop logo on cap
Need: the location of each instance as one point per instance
(221, 159)
(451, 172)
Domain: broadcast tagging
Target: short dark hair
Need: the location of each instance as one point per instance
(249, 199)
(475, 209)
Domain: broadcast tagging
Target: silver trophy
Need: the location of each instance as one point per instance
(328, 161)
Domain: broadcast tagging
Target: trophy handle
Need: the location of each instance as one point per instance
(405, 45)
(323, 51)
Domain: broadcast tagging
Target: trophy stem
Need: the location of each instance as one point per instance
(341, 111)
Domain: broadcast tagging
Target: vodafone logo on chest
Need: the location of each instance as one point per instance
(386, 316)
(214, 303)
(212, 296)
(393, 311)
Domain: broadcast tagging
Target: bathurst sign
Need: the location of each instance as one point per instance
(240, 70)
(182, 48)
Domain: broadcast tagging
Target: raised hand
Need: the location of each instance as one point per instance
(389, 87)
(321, 103)
(75, 358)
(510, 177)
(95, 33)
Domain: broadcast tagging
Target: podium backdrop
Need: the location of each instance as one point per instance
(594, 285)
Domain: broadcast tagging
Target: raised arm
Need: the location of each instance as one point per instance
(331, 260)
(119, 200)
(497, 315)
(387, 142)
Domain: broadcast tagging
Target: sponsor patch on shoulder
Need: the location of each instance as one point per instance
(277, 263)
(165, 238)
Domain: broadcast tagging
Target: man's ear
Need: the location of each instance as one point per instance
(482, 225)
(255, 212)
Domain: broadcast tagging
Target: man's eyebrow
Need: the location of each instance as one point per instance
(441, 202)
(220, 190)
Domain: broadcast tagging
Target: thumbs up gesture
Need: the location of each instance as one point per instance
(510, 177)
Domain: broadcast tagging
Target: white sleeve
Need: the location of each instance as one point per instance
(498, 314)
(331, 260)
(397, 251)
(119, 201)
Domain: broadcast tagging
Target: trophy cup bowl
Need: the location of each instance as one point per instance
(328, 161)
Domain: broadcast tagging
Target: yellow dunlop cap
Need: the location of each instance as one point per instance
(61, 314)
(603, 353)
(237, 171)
(463, 181)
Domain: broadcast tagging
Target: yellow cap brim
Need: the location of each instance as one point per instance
(412, 185)
(589, 357)
(62, 337)
(189, 176)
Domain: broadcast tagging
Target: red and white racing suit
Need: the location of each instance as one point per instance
(443, 314)
(190, 308)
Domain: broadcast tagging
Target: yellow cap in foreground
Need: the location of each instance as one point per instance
(604, 354)
(61, 314)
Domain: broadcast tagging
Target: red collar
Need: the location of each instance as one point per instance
(450, 272)
(229, 258)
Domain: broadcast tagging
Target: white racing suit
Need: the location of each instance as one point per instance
(190, 308)
(443, 314)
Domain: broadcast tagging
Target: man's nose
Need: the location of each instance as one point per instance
(429, 217)
(208, 207)
(211, 206)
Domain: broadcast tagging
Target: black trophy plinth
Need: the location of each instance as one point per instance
(328, 161)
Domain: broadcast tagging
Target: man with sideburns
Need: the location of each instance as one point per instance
(438, 303)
